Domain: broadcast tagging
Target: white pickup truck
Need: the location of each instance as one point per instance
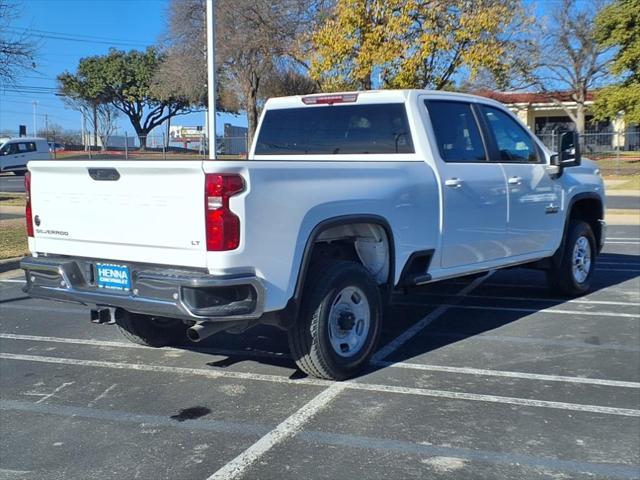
(344, 199)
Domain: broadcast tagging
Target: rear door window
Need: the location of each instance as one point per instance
(457, 132)
(336, 129)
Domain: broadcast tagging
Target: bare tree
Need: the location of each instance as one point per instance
(256, 40)
(17, 50)
(100, 117)
(569, 58)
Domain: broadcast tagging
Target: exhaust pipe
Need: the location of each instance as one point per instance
(200, 331)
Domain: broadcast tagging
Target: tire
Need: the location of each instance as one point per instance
(573, 276)
(339, 323)
(150, 331)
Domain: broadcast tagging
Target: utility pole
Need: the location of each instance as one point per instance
(211, 78)
(35, 125)
(46, 123)
(95, 125)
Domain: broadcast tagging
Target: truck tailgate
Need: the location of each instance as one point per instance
(142, 211)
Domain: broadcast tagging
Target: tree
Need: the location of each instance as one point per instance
(618, 25)
(569, 57)
(410, 43)
(17, 50)
(257, 40)
(125, 81)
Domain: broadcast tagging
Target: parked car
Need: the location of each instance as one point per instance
(56, 147)
(344, 200)
(16, 152)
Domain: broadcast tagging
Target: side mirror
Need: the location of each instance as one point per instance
(569, 154)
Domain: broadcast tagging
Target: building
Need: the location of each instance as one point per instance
(545, 115)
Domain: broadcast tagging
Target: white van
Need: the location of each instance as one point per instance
(16, 152)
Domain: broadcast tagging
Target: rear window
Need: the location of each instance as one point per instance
(333, 130)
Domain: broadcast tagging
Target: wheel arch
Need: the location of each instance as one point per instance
(588, 207)
(341, 221)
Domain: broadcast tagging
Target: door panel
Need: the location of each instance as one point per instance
(535, 199)
(474, 190)
(475, 214)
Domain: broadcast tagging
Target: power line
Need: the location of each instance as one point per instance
(76, 38)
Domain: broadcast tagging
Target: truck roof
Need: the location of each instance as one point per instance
(376, 96)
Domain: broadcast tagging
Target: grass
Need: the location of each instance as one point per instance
(627, 182)
(12, 200)
(13, 239)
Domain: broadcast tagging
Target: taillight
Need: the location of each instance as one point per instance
(28, 215)
(222, 225)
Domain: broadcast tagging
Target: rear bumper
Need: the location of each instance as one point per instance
(155, 290)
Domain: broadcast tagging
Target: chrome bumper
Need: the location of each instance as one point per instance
(155, 290)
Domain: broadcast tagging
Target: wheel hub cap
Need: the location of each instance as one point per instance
(581, 259)
(349, 321)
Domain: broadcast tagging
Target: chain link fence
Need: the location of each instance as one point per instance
(617, 153)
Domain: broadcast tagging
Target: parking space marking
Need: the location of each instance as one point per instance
(541, 287)
(108, 343)
(331, 439)
(287, 429)
(630, 270)
(258, 353)
(524, 310)
(502, 373)
(416, 328)
(351, 385)
(532, 299)
(540, 341)
(56, 390)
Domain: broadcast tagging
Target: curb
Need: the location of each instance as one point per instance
(10, 264)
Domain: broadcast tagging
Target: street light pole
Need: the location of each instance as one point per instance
(211, 78)
(35, 125)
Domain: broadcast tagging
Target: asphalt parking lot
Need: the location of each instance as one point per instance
(484, 378)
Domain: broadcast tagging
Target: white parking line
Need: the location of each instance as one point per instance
(532, 299)
(279, 355)
(11, 280)
(527, 310)
(288, 428)
(107, 343)
(408, 334)
(502, 373)
(350, 385)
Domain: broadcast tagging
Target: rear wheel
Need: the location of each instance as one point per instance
(339, 323)
(150, 331)
(573, 276)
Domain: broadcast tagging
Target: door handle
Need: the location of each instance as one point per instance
(453, 182)
(515, 181)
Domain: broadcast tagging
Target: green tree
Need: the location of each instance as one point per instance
(411, 43)
(618, 25)
(126, 81)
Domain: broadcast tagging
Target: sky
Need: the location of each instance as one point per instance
(67, 30)
(92, 25)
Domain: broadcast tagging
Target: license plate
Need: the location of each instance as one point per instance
(113, 276)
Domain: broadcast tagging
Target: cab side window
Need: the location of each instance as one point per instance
(10, 149)
(513, 142)
(457, 132)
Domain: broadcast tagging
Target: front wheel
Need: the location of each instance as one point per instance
(573, 276)
(339, 323)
